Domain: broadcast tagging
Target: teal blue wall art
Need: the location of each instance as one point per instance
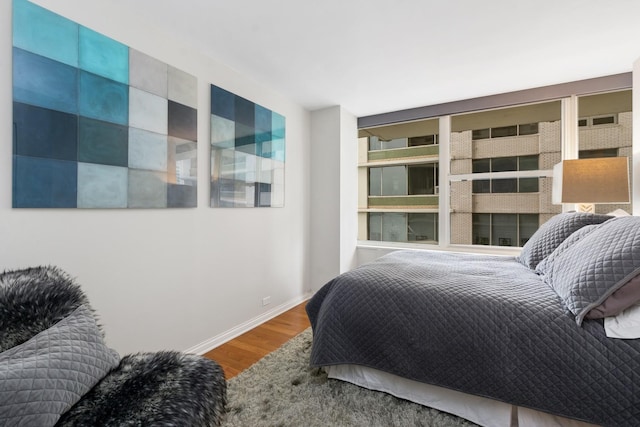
(97, 124)
(247, 153)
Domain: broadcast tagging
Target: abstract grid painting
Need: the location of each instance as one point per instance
(247, 153)
(97, 124)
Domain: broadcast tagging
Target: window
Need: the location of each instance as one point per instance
(505, 164)
(481, 134)
(422, 227)
(387, 181)
(403, 180)
(481, 186)
(403, 189)
(595, 154)
(423, 179)
(606, 120)
(528, 185)
(499, 169)
(528, 163)
(503, 229)
(500, 187)
(398, 183)
(507, 185)
(376, 143)
(380, 144)
(504, 185)
(597, 121)
(423, 140)
(528, 129)
(505, 131)
(403, 227)
(394, 181)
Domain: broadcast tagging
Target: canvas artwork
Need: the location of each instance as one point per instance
(247, 153)
(97, 124)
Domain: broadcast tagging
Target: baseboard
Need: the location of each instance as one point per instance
(222, 338)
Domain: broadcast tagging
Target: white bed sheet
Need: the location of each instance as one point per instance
(480, 410)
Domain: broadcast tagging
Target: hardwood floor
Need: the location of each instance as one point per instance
(243, 351)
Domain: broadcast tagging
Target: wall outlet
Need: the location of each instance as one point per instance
(266, 301)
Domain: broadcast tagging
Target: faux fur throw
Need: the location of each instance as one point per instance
(164, 388)
(152, 389)
(34, 299)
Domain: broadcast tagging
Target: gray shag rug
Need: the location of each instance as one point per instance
(283, 390)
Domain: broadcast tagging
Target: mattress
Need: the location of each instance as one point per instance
(480, 410)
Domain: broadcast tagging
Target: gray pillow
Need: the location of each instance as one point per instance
(553, 232)
(592, 269)
(626, 296)
(545, 267)
(46, 375)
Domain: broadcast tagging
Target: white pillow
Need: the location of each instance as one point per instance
(618, 212)
(625, 325)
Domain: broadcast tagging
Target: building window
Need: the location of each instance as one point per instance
(388, 181)
(423, 140)
(380, 144)
(505, 164)
(376, 143)
(503, 229)
(403, 227)
(423, 179)
(528, 129)
(505, 131)
(422, 227)
(505, 185)
(403, 180)
(596, 154)
(610, 119)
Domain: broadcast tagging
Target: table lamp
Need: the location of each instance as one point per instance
(589, 181)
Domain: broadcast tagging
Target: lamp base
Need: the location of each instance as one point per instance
(585, 207)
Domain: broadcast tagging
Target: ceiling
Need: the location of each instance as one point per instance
(376, 56)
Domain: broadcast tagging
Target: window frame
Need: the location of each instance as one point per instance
(567, 94)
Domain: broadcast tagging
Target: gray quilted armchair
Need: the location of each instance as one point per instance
(55, 368)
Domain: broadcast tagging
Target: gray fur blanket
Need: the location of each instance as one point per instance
(34, 299)
(160, 389)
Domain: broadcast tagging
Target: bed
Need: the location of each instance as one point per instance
(495, 339)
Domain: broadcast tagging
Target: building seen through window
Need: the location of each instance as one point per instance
(499, 176)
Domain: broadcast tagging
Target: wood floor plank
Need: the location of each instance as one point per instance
(243, 351)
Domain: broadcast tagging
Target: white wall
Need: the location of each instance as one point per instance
(334, 193)
(635, 160)
(348, 190)
(169, 278)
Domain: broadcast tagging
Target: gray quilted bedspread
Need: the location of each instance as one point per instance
(485, 325)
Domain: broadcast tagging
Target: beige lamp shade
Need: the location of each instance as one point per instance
(601, 180)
